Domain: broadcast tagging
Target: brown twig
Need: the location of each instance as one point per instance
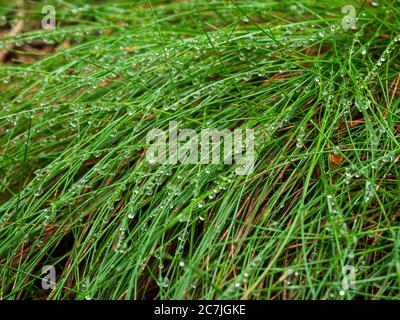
(16, 29)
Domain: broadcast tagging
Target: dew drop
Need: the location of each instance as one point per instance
(163, 282)
(38, 191)
(131, 215)
(363, 51)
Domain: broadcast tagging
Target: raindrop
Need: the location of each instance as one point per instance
(131, 215)
(97, 153)
(363, 51)
(38, 191)
(163, 282)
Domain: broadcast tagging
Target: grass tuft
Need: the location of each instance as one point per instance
(76, 191)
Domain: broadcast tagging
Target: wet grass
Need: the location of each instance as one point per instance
(77, 192)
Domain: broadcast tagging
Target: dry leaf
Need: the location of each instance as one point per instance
(335, 159)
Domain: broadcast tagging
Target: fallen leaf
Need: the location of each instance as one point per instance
(335, 159)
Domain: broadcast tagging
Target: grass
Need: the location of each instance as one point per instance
(76, 190)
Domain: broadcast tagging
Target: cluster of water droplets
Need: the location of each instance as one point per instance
(236, 286)
(300, 137)
(381, 60)
(49, 215)
(121, 246)
(369, 190)
(350, 173)
(290, 277)
(335, 216)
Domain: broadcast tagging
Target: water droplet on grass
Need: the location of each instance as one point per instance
(163, 282)
(131, 215)
(364, 51)
(39, 191)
